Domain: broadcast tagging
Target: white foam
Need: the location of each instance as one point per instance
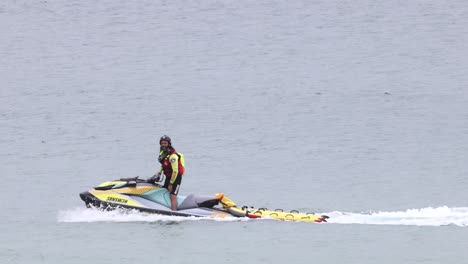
(428, 216)
(81, 214)
(439, 216)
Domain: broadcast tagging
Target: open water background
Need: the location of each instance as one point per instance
(356, 109)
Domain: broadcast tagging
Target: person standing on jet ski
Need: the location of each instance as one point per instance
(172, 167)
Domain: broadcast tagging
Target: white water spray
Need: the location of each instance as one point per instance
(81, 214)
(439, 216)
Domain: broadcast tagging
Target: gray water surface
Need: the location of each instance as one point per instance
(356, 109)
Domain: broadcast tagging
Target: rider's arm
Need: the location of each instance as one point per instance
(174, 159)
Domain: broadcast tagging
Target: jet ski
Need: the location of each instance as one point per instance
(135, 193)
(151, 197)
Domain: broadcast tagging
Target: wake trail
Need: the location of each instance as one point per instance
(429, 216)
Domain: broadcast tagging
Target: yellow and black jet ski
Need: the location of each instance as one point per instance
(134, 193)
(139, 194)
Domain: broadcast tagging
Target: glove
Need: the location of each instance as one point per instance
(154, 178)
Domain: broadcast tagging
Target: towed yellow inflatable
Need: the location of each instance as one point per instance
(252, 212)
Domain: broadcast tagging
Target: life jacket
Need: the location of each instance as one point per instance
(167, 167)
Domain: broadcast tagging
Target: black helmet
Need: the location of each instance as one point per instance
(165, 138)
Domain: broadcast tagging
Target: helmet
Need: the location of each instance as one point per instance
(165, 138)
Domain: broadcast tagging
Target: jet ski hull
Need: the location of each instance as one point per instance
(106, 200)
